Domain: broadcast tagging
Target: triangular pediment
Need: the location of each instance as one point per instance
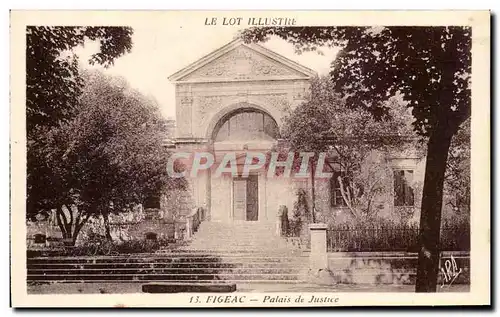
(240, 61)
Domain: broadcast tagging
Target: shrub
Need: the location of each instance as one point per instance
(103, 247)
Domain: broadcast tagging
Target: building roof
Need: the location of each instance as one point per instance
(292, 69)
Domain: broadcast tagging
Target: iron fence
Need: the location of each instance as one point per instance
(361, 239)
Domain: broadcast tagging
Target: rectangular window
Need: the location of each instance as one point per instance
(403, 190)
(336, 199)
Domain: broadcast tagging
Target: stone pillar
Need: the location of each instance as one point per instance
(188, 233)
(208, 197)
(282, 221)
(278, 225)
(318, 259)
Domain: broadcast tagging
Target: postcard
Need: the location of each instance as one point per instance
(250, 158)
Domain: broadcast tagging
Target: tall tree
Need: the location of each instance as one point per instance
(430, 67)
(109, 157)
(53, 86)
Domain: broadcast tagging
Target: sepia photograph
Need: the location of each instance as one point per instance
(250, 159)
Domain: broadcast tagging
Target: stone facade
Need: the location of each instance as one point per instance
(238, 75)
(248, 77)
(235, 77)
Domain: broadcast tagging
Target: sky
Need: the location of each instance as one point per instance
(158, 52)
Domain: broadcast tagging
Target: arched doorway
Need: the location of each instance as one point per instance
(242, 127)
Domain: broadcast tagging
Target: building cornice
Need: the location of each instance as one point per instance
(179, 75)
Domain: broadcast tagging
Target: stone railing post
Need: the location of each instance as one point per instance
(278, 225)
(318, 259)
(189, 226)
(282, 221)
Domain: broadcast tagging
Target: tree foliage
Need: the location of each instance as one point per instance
(457, 177)
(325, 124)
(53, 84)
(430, 67)
(106, 159)
(53, 89)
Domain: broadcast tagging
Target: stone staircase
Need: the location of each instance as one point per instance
(178, 267)
(250, 251)
(240, 253)
(247, 236)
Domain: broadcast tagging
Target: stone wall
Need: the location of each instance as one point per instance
(121, 230)
(199, 106)
(377, 268)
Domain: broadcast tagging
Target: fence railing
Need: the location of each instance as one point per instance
(345, 239)
(193, 221)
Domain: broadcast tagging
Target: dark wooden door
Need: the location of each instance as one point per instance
(252, 198)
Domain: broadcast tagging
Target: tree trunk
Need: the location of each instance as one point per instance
(64, 233)
(63, 224)
(70, 229)
(78, 227)
(430, 215)
(106, 226)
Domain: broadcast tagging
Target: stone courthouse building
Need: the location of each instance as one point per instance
(234, 100)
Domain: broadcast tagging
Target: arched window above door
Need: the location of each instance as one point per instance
(245, 125)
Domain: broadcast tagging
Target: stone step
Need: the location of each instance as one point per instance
(261, 244)
(187, 265)
(181, 263)
(231, 235)
(161, 271)
(280, 253)
(168, 253)
(239, 230)
(248, 236)
(268, 231)
(234, 227)
(252, 240)
(165, 261)
(238, 234)
(270, 245)
(264, 244)
(237, 248)
(214, 270)
(246, 227)
(166, 277)
(298, 281)
(204, 238)
(230, 247)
